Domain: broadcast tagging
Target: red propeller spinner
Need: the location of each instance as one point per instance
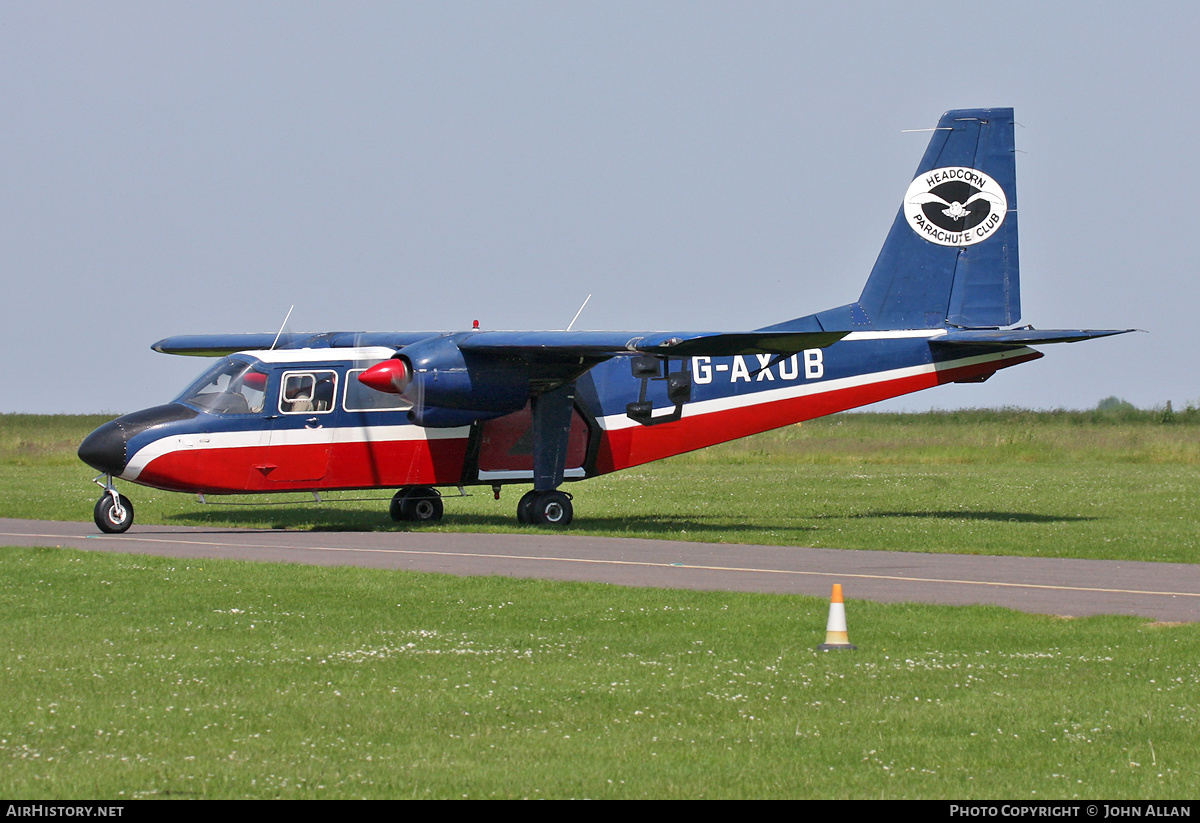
(391, 376)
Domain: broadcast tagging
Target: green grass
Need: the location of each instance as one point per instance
(138, 677)
(1012, 482)
(143, 677)
(32, 440)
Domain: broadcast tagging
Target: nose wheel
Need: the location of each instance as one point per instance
(113, 513)
(545, 508)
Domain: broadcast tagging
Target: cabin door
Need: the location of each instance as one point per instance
(302, 429)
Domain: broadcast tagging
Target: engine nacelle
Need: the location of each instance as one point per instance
(438, 378)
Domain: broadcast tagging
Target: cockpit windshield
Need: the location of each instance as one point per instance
(229, 387)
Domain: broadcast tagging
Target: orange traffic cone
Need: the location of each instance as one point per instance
(836, 636)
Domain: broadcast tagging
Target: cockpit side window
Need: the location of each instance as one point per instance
(308, 392)
(230, 387)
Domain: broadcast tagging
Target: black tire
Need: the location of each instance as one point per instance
(422, 504)
(106, 517)
(525, 508)
(553, 509)
(396, 509)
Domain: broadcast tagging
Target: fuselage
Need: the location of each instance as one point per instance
(299, 419)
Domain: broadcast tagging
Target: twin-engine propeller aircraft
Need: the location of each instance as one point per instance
(417, 410)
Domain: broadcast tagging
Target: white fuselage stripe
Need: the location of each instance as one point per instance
(301, 357)
(614, 422)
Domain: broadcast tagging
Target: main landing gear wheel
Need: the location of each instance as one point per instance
(545, 508)
(525, 508)
(417, 504)
(553, 509)
(113, 516)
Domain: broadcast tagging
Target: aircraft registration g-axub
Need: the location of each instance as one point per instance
(413, 411)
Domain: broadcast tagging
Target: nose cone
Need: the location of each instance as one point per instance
(104, 449)
(107, 448)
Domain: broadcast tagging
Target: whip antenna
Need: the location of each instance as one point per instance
(284, 326)
(576, 317)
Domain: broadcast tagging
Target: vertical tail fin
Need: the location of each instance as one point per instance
(951, 255)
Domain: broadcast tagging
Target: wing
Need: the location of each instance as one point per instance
(219, 345)
(549, 345)
(983, 195)
(607, 344)
(927, 197)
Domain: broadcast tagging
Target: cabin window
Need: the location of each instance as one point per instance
(230, 387)
(364, 398)
(308, 392)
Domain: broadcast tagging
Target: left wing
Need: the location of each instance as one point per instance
(220, 345)
(670, 344)
(552, 344)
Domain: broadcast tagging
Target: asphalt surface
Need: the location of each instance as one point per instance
(1162, 591)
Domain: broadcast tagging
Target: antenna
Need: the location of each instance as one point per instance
(576, 317)
(282, 327)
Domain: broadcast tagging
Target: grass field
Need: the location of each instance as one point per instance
(142, 677)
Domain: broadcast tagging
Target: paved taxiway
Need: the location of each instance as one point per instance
(1163, 591)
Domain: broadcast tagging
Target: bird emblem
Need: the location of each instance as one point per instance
(955, 210)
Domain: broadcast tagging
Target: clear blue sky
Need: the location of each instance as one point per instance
(192, 167)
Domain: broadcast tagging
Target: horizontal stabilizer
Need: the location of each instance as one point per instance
(1022, 337)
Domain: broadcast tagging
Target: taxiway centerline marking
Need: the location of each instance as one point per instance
(639, 563)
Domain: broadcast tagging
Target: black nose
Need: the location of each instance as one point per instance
(104, 449)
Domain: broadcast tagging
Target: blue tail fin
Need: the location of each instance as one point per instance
(951, 255)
